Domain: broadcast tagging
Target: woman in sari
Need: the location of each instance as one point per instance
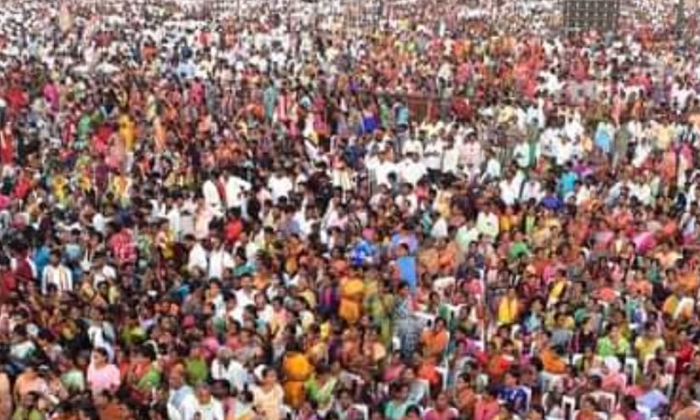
(142, 375)
(378, 303)
(352, 290)
(297, 370)
(321, 389)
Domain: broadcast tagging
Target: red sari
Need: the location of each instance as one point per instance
(7, 147)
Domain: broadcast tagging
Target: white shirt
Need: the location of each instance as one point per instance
(439, 229)
(197, 258)
(60, 276)
(492, 170)
(563, 152)
(410, 200)
(234, 373)
(487, 224)
(450, 160)
(234, 187)
(244, 298)
(181, 404)
(642, 192)
(101, 275)
(510, 189)
(280, 187)
(382, 170)
(412, 171)
(174, 224)
(211, 196)
(532, 190)
(433, 155)
(219, 260)
(214, 410)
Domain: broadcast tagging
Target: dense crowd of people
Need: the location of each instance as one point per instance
(395, 211)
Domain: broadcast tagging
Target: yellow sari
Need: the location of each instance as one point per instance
(351, 296)
(127, 132)
(297, 369)
(508, 311)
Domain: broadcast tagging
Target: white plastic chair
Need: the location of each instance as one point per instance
(396, 343)
(670, 384)
(454, 311)
(630, 369)
(528, 396)
(363, 409)
(670, 365)
(427, 319)
(515, 330)
(605, 399)
(444, 373)
(599, 414)
(644, 411)
(568, 404)
(549, 380)
(576, 359)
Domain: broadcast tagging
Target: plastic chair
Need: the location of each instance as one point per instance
(427, 319)
(568, 404)
(363, 409)
(605, 399)
(396, 343)
(644, 411)
(630, 369)
(528, 397)
(444, 373)
(576, 359)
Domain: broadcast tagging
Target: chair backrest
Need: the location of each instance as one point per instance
(396, 343)
(606, 400)
(427, 319)
(670, 365)
(576, 359)
(363, 409)
(568, 405)
(631, 366)
(602, 416)
(444, 373)
(645, 411)
(528, 396)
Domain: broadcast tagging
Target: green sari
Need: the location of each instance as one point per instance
(321, 394)
(378, 307)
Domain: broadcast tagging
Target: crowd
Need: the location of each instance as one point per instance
(406, 210)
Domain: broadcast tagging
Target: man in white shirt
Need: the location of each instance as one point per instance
(450, 157)
(433, 155)
(182, 402)
(511, 186)
(235, 187)
(532, 190)
(381, 167)
(197, 257)
(492, 171)
(101, 271)
(219, 259)
(412, 169)
(471, 153)
(56, 274)
(487, 222)
(280, 185)
(174, 218)
(212, 198)
(224, 367)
